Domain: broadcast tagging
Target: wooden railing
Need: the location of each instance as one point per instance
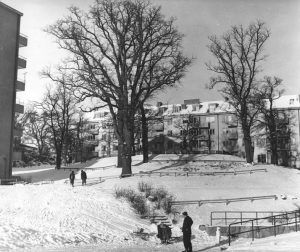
(227, 201)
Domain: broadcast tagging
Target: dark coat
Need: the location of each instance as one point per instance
(83, 175)
(187, 224)
(72, 176)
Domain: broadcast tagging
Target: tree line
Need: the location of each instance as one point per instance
(123, 53)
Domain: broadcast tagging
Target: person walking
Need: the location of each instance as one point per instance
(83, 177)
(187, 232)
(72, 178)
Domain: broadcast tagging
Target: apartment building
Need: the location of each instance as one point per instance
(206, 127)
(288, 140)
(196, 127)
(10, 62)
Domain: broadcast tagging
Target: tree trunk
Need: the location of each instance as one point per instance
(120, 141)
(144, 135)
(248, 149)
(58, 160)
(274, 153)
(120, 151)
(127, 147)
(126, 153)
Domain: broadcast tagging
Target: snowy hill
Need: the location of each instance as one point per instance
(39, 217)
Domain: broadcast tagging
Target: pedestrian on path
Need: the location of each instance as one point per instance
(72, 178)
(187, 232)
(83, 177)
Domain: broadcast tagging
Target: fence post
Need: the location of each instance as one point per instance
(229, 235)
(252, 230)
(241, 217)
(274, 225)
(296, 221)
(256, 215)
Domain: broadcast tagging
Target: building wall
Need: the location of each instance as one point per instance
(9, 34)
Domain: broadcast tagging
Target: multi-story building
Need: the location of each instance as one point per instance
(207, 127)
(10, 61)
(288, 138)
(197, 127)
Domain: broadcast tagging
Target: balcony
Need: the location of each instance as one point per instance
(18, 132)
(17, 155)
(20, 85)
(233, 136)
(23, 40)
(21, 62)
(19, 108)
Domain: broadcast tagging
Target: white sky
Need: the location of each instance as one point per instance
(197, 19)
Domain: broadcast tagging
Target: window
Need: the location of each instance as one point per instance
(91, 137)
(210, 119)
(291, 101)
(212, 131)
(211, 108)
(92, 126)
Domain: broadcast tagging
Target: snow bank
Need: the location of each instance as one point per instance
(59, 216)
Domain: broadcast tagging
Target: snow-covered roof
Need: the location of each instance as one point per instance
(287, 101)
(211, 107)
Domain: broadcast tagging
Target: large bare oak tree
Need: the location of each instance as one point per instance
(238, 55)
(121, 52)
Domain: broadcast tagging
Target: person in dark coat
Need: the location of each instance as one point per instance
(164, 233)
(72, 178)
(83, 177)
(187, 232)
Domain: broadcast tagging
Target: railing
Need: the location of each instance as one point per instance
(284, 219)
(213, 173)
(228, 216)
(195, 160)
(227, 201)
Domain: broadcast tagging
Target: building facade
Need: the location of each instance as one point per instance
(10, 62)
(206, 127)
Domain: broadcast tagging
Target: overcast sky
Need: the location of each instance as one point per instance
(197, 19)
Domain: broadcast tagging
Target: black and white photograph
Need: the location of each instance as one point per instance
(149, 125)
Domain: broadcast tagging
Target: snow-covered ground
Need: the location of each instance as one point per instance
(43, 216)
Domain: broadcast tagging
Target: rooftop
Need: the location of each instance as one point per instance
(3, 5)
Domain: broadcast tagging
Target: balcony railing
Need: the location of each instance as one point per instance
(233, 136)
(17, 155)
(21, 62)
(20, 85)
(23, 40)
(19, 108)
(18, 132)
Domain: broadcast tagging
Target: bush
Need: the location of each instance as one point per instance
(165, 204)
(129, 194)
(146, 188)
(159, 194)
(139, 204)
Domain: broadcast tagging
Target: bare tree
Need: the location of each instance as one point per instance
(58, 105)
(239, 53)
(122, 52)
(36, 130)
(272, 122)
